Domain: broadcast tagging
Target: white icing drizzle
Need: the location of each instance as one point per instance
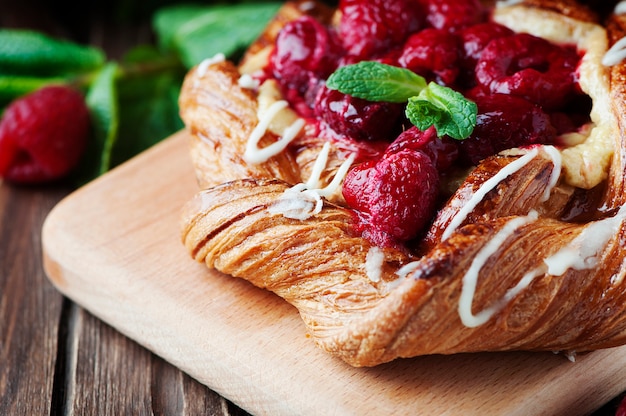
(374, 264)
(616, 54)
(307, 6)
(470, 279)
(407, 269)
(557, 161)
(620, 8)
(253, 154)
(305, 199)
(507, 3)
(618, 278)
(297, 203)
(314, 181)
(206, 63)
(583, 252)
(484, 189)
(246, 81)
(318, 167)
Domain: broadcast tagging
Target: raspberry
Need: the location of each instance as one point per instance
(356, 118)
(432, 53)
(529, 67)
(394, 197)
(621, 409)
(369, 28)
(474, 40)
(503, 122)
(43, 135)
(453, 15)
(441, 151)
(305, 52)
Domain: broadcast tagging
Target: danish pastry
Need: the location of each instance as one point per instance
(393, 240)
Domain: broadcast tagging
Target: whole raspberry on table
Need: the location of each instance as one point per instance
(621, 409)
(43, 135)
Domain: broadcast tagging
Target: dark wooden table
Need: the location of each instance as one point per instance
(56, 358)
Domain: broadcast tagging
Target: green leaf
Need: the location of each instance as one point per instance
(374, 81)
(449, 111)
(102, 100)
(24, 52)
(168, 21)
(200, 32)
(150, 112)
(12, 86)
(423, 114)
(148, 89)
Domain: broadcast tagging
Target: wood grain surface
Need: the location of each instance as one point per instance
(55, 357)
(113, 247)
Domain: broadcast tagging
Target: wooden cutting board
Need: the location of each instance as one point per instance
(113, 247)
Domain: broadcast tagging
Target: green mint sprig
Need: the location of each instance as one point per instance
(428, 104)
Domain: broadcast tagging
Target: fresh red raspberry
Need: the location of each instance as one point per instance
(530, 67)
(476, 38)
(394, 197)
(305, 52)
(442, 151)
(356, 118)
(371, 27)
(453, 15)
(434, 54)
(503, 122)
(621, 409)
(43, 135)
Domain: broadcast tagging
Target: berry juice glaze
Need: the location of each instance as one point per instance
(526, 90)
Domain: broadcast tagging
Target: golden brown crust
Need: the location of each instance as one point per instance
(525, 187)
(569, 8)
(220, 116)
(355, 299)
(616, 29)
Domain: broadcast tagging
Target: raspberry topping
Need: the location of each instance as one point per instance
(43, 135)
(525, 89)
(394, 196)
(356, 118)
(505, 121)
(305, 50)
(474, 40)
(453, 15)
(369, 28)
(529, 67)
(434, 54)
(443, 151)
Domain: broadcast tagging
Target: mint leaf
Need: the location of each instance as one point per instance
(423, 114)
(456, 115)
(102, 100)
(150, 113)
(13, 86)
(103, 106)
(428, 104)
(374, 81)
(24, 52)
(199, 32)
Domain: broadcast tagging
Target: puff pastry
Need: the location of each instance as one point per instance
(527, 254)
